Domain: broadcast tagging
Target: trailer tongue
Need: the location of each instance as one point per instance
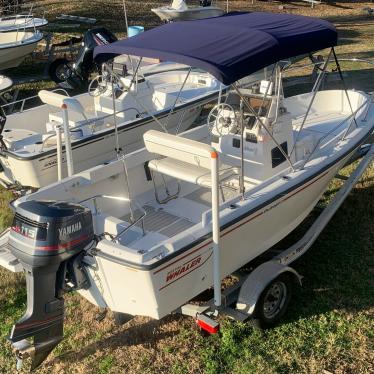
(49, 238)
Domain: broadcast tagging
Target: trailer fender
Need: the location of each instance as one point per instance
(258, 280)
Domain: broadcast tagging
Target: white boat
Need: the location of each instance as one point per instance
(146, 233)
(179, 11)
(21, 22)
(171, 99)
(15, 46)
(5, 83)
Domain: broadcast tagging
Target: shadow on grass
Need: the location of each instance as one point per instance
(363, 19)
(147, 333)
(337, 270)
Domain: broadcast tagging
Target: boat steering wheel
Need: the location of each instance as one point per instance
(97, 86)
(101, 83)
(222, 119)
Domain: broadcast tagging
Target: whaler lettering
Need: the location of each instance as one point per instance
(182, 269)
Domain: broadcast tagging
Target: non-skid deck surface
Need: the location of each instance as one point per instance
(204, 195)
(161, 221)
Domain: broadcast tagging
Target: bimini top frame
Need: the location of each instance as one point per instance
(229, 47)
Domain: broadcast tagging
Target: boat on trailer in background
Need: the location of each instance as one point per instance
(179, 11)
(148, 232)
(33, 151)
(16, 45)
(21, 22)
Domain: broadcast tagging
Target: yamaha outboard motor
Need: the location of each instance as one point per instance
(76, 74)
(50, 239)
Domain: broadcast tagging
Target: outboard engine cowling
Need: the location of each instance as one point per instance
(76, 75)
(50, 239)
(92, 38)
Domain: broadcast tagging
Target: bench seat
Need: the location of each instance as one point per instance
(189, 173)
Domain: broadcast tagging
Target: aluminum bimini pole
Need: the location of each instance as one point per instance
(315, 89)
(345, 89)
(178, 96)
(264, 126)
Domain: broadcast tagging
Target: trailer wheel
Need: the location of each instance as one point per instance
(60, 70)
(274, 300)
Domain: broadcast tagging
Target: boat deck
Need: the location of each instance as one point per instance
(180, 214)
(321, 123)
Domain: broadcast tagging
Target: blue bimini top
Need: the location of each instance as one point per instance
(229, 47)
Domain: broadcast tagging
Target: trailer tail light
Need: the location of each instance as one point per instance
(207, 324)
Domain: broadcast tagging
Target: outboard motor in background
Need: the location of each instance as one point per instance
(205, 3)
(50, 239)
(75, 75)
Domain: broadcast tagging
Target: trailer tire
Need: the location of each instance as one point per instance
(60, 70)
(274, 300)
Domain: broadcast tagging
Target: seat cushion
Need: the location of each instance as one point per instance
(187, 172)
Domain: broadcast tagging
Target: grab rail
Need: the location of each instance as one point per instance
(24, 100)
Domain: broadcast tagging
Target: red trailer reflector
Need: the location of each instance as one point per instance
(207, 324)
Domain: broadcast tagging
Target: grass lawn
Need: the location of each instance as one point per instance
(330, 324)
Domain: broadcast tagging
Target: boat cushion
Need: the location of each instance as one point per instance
(187, 172)
(189, 151)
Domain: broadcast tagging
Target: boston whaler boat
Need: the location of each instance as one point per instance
(5, 83)
(16, 45)
(146, 233)
(31, 151)
(179, 11)
(21, 22)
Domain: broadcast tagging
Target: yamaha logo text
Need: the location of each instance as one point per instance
(68, 230)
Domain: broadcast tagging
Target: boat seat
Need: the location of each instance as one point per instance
(184, 159)
(76, 112)
(189, 173)
(75, 119)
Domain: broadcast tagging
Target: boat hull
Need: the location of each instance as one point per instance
(14, 23)
(171, 284)
(12, 56)
(170, 14)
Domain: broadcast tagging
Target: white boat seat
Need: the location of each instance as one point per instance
(179, 148)
(185, 159)
(76, 111)
(189, 173)
(75, 119)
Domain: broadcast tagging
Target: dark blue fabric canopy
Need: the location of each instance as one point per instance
(229, 47)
